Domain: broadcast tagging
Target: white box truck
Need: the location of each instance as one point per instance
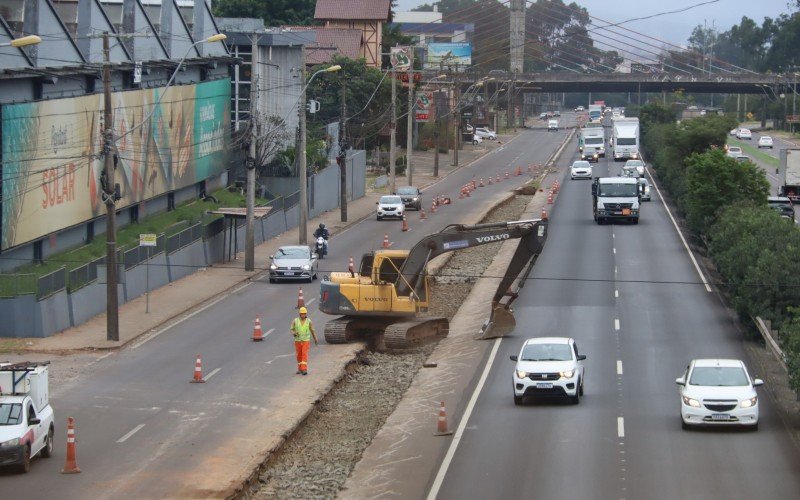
(626, 138)
(592, 143)
(595, 113)
(790, 163)
(615, 198)
(26, 418)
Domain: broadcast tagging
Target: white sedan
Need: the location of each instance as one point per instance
(390, 206)
(744, 133)
(765, 141)
(718, 392)
(580, 170)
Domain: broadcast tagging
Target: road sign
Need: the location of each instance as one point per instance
(402, 58)
(147, 240)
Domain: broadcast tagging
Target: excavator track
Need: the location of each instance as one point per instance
(410, 334)
(337, 331)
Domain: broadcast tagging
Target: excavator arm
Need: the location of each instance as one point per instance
(532, 235)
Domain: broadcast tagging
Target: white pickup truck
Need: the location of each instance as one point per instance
(26, 418)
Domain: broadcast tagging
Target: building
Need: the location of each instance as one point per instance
(169, 146)
(423, 34)
(368, 16)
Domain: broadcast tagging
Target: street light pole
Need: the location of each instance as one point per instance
(109, 197)
(392, 138)
(249, 239)
(410, 128)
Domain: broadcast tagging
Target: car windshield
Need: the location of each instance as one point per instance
(546, 352)
(634, 163)
(719, 376)
(581, 164)
(618, 190)
(593, 140)
(407, 190)
(626, 141)
(388, 200)
(734, 150)
(10, 413)
(292, 253)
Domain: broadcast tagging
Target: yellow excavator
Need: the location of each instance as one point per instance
(387, 297)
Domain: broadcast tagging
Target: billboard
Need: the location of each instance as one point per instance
(424, 105)
(452, 55)
(53, 161)
(402, 58)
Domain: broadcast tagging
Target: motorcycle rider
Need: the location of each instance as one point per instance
(322, 232)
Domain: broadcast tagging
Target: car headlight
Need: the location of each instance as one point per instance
(415, 199)
(567, 374)
(749, 403)
(691, 402)
(10, 442)
(273, 267)
(521, 374)
(306, 267)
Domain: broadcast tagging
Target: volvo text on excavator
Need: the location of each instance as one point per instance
(388, 296)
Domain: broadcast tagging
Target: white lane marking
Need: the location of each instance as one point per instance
(214, 302)
(680, 235)
(451, 451)
(615, 250)
(613, 235)
(620, 427)
(616, 293)
(615, 269)
(269, 331)
(213, 372)
(619, 367)
(131, 433)
(310, 301)
(616, 324)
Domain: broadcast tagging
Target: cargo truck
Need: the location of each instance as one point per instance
(615, 198)
(626, 138)
(592, 143)
(790, 162)
(595, 112)
(26, 418)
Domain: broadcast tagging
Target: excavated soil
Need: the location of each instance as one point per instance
(317, 459)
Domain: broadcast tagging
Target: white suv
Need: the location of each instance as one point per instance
(486, 133)
(718, 392)
(548, 366)
(390, 206)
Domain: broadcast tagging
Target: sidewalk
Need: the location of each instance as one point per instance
(208, 285)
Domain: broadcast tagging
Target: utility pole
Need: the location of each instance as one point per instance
(510, 101)
(301, 152)
(249, 243)
(112, 301)
(410, 128)
(392, 138)
(343, 151)
(436, 132)
(457, 122)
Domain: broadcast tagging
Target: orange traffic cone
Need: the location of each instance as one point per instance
(405, 224)
(301, 302)
(474, 186)
(498, 177)
(461, 194)
(506, 174)
(71, 465)
(386, 243)
(198, 372)
(433, 207)
(544, 214)
(481, 183)
(467, 190)
(550, 198)
(441, 427)
(422, 215)
(258, 336)
(519, 171)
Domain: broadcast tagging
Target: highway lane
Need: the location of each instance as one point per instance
(588, 278)
(144, 431)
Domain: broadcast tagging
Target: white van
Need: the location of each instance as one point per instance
(552, 125)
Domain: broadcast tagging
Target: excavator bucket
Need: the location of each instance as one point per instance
(500, 323)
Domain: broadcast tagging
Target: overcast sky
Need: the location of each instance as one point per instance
(673, 28)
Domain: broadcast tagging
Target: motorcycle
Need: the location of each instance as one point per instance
(321, 247)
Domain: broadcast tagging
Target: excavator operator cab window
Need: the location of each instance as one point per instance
(389, 270)
(365, 269)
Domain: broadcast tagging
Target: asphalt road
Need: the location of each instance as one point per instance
(144, 431)
(624, 440)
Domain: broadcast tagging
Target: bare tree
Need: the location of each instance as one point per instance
(272, 138)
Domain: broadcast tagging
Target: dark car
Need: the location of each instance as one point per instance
(782, 205)
(411, 197)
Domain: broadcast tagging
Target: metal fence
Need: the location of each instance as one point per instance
(83, 275)
(291, 200)
(184, 238)
(139, 254)
(51, 283)
(12, 285)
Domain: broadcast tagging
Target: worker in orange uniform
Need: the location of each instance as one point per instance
(303, 330)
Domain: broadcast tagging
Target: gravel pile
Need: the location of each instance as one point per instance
(316, 460)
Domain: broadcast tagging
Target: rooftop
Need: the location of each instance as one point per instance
(377, 10)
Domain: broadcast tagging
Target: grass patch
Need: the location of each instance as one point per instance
(168, 223)
(756, 153)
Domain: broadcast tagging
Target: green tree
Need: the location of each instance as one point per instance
(715, 180)
(273, 12)
(790, 335)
